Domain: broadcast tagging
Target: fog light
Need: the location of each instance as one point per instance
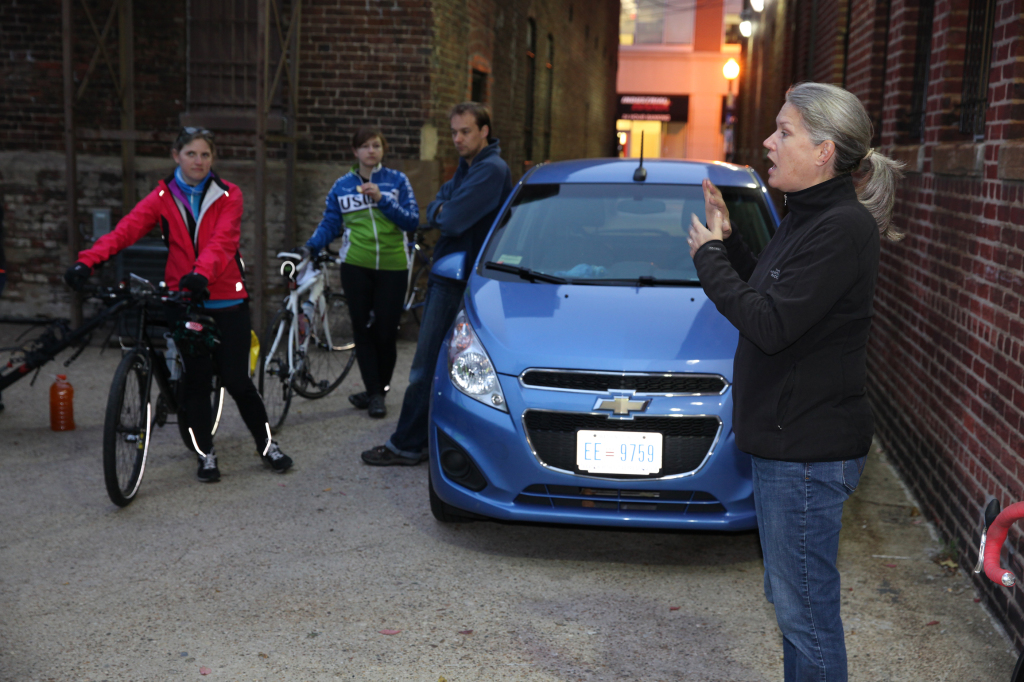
(457, 465)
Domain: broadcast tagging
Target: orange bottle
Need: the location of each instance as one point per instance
(62, 410)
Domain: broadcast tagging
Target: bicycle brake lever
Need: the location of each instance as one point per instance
(978, 567)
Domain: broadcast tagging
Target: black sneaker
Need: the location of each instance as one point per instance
(381, 456)
(278, 461)
(208, 471)
(377, 408)
(360, 400)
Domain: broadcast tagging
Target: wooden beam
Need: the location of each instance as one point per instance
(259, 214)
(70, 170)
(126, 34)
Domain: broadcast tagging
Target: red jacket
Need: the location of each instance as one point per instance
(213, 254)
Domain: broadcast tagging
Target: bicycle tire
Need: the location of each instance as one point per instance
(272, 381)
(216, 406)
(326, 365)
(418, 295)
(126, 428)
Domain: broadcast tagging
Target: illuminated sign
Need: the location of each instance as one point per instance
(654, 107)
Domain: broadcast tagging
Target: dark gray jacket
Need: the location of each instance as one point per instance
(803, 310)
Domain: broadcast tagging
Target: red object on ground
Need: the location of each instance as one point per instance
(62, 409)
(994, 544)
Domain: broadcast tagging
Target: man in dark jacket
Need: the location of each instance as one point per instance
(464, 210)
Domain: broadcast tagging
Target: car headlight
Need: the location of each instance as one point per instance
(470, 368)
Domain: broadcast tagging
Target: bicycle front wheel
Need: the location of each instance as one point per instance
(417, 294)
(126, 428)
(272, 370)
(331, 351)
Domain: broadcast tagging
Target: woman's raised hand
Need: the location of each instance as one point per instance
(713, 201)
(700, 235)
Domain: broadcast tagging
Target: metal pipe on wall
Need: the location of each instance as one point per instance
(260, 217)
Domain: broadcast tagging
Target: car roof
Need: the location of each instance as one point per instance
(659, 172)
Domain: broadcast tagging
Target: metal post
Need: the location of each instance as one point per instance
(260, 217)
(290, 220)
(70, 171)
(126, 35)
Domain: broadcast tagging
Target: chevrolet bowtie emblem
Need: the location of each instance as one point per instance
(622, 405)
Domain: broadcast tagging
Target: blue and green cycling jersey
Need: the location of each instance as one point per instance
(371, 231)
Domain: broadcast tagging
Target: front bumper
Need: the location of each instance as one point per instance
(520, 487)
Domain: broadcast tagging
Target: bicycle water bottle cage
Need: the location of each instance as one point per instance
(196, 335)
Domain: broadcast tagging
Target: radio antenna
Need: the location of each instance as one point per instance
(640, 174)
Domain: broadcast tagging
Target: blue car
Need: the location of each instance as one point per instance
(587, 378)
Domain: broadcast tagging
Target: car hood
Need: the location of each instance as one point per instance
(608, 328)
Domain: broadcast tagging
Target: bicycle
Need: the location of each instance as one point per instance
(130, 415)
(418, 256)
(997, 524)
(307, 348)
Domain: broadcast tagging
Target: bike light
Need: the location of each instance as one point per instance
(470, 368)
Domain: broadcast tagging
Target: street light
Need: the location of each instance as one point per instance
(731, 70)
(746, 28)
(757, 5)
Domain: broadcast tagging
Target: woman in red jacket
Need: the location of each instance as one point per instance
(200, 216)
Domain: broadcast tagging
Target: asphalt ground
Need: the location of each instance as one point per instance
(299, 577)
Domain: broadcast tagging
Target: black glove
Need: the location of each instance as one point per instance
(195, 283)
(77, 275)
(306, 253)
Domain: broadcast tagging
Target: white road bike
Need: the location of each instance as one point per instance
(307, 347)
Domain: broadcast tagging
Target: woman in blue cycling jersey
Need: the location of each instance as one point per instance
(370, 207)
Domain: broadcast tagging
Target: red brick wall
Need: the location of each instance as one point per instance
(947, 375)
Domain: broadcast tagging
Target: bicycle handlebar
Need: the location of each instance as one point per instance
(994, 540)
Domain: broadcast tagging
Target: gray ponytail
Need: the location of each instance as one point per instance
(832, 113)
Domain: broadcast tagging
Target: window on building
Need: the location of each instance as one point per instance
(733, 11)
(654, 22)
(531, 75)
(478, 90)
(922, 65)
(222, 55)
(549, 104)
(977, 62)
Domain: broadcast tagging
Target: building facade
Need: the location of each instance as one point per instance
(546, 68)
(670, 82)
(944, 84)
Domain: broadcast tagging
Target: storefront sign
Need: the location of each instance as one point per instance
(654, 107)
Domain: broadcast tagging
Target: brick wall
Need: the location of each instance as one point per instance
(946, 372)
(399, 65)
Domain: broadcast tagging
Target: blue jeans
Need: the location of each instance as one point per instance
(799, 514)
(439, 311)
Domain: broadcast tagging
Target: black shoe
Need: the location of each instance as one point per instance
(377, 409)
(381, 456)
(277, 460)
(208, 471)
(360, 401)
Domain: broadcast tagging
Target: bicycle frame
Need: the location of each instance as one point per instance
(316, 287)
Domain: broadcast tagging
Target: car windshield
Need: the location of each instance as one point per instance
(624, 234)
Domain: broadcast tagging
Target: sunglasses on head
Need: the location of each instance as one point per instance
(191, 130)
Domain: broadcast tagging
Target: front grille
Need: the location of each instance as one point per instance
(690, 384)
(687, 440)
(610, 499)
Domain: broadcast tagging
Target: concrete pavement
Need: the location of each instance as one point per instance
(295, 577)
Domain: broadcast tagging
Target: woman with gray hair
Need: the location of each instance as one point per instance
(803, 309)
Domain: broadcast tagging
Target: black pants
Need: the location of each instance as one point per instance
(231, 356)
(383, 293)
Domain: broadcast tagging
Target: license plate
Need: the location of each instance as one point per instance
(618, 452)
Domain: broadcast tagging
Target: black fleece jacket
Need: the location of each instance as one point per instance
(803, 310)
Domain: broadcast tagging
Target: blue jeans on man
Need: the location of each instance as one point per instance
(799, 514)
(444, 297)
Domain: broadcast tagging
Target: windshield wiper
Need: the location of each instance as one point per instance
(642, 281)
(525, 273)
